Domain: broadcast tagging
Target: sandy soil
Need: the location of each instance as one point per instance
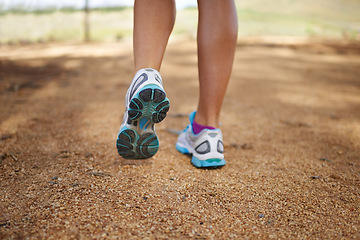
(291, 125)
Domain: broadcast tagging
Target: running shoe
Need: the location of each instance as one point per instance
(206, 148)
(146, 104)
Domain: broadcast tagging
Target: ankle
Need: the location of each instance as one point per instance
(197, 128)
(212, 121)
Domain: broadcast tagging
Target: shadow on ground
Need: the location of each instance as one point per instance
(291, 123)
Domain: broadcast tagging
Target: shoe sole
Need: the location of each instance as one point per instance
(148, 107)
(208, 163)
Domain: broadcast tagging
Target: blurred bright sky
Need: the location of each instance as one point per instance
(39, 4)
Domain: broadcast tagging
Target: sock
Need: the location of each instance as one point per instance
(197, 128)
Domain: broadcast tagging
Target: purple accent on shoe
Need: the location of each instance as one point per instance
(197, 128)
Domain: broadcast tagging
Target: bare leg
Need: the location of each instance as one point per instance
(217, 34)
(153, 23)
(145, 102)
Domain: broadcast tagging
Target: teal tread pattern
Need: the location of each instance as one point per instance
(150, 102)
(131, 145)
(148, 107)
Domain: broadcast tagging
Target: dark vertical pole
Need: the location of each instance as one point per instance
(86, 22)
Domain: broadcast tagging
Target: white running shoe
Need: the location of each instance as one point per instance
(146, 104)
(206, 148)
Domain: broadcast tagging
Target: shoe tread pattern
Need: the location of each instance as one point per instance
(132, 146)
(149, 106)
(151, 103)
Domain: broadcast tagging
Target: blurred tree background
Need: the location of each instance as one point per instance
(40, 21)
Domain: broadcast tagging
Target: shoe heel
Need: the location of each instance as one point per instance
(150, 102)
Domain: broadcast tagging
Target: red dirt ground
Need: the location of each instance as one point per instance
(291, 125)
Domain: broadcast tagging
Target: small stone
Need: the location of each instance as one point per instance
(5, 136)
(13, 157)
(270, 221)
(98, 174)
(335, 176)
(244, 146)
(261, 215)
(325, 160)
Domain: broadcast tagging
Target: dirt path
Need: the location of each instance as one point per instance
(291, 124)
